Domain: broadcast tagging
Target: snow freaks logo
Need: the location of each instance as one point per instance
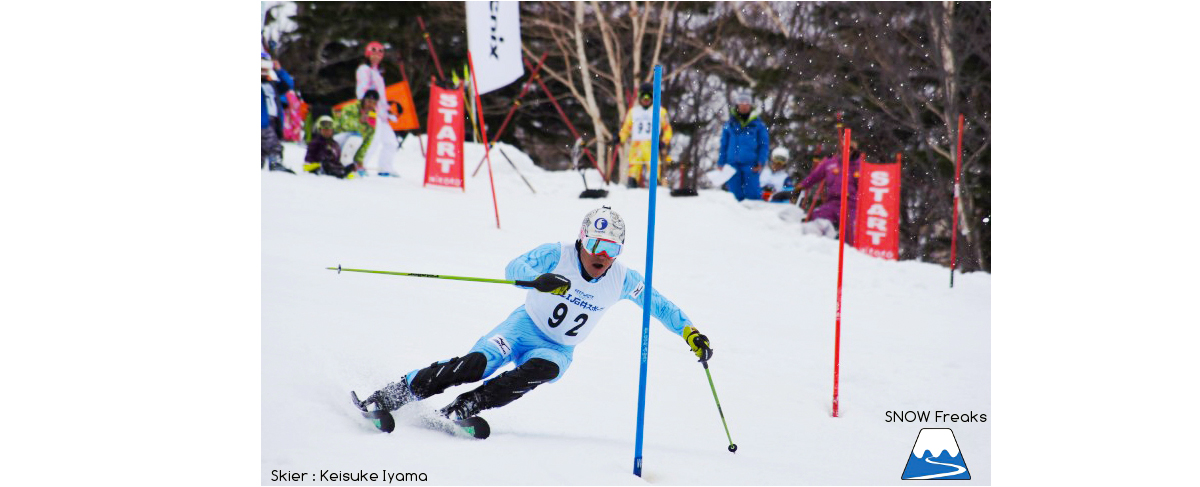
(601, 224)
(935, 456)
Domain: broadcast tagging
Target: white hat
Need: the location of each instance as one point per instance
(781, 153)
(603, 223)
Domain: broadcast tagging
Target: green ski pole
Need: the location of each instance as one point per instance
(732, 446)
(435, 276)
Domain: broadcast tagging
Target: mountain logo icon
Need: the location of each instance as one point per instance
(936, 456)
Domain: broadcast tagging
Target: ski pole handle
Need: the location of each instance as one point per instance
(339, 268)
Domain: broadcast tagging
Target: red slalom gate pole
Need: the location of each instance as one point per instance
(483, 129)
(611, 161)
(954, 223)
(516, 103)
(432, 52)
(813, 202)
(566, 120)
(837, 337)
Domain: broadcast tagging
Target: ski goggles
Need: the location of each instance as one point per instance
(597, 246)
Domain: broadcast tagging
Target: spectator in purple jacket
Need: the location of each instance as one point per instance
(324, 155)
(828, 173)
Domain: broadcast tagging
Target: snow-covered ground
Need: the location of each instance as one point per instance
(763, 293)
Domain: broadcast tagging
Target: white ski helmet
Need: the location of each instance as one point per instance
(781, 153)
(603, 223)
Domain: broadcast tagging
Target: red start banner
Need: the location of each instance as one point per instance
(879, 210)
(444, 158)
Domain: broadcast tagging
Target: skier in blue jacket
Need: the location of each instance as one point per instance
(744, 145)
(574, 284)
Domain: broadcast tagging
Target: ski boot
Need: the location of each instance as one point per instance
(463, 407)
(463, 414)
(276, 164)
(391, 397)
(501, 390)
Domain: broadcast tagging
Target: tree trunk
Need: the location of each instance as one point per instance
(942, 25)
(663, 14)
(586, 78)
(638, 18)
(612, 49)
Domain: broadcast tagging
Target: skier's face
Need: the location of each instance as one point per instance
(596, 264)
(368, 104)
(647, 101)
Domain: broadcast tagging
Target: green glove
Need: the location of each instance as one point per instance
(698, 342)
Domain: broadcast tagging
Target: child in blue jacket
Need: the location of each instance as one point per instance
(275, 83)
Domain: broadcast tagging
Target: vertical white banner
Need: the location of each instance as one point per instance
(494, 39)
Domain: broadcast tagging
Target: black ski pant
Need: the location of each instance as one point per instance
(499, 391)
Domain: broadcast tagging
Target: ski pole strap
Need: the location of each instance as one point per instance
(340, 269)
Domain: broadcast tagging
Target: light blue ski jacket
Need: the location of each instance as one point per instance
(545, 257)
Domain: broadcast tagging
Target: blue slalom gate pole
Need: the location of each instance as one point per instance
(654, 135)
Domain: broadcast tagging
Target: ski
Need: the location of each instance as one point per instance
(473, 427)
(381, 418)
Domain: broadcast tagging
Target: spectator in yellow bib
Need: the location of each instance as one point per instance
(638, 128)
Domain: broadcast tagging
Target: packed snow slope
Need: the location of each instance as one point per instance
(763, 293)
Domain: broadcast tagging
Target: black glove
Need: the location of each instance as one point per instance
(698, 342)
(552, 283)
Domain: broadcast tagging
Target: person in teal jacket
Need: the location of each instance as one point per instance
(744, 145)
(573, 284)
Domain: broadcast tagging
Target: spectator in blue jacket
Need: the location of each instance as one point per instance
(275, 82)
(744, 145)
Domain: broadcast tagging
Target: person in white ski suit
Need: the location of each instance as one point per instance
(540, 336)
(776, 180)
(369, 76)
